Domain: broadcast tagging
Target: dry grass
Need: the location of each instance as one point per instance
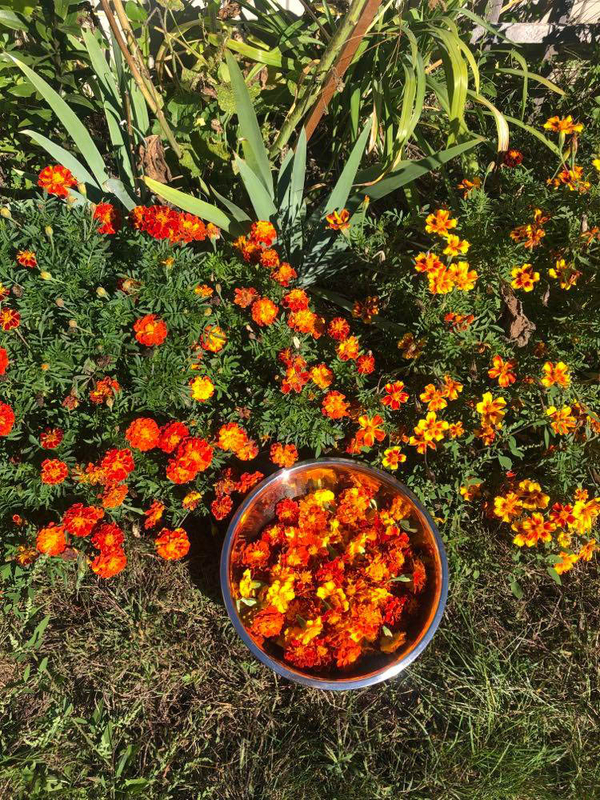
(147, 691)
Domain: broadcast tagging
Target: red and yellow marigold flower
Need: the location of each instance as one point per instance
(153, 514)
(471, 491)
(143, 434)
(467, 185)
(321, 375)
(79, 520)
(395, 395)
(264, 311)
(213, 339)
(348, 349)
(4, 362)
(428, 262)
(567, 562)
(263, 233)
(57, 180)
(7, 419)
(441, 281)
(338, 220)
(365, 310)
(172, 545)
(503, 370)
(513, 158)
(53, 471)
(334, 405)
(232, 437)
(201, 388)
(564, 125)
(104, 391)
(283, 455)
(9, 319)
(108, 537)
(531, 495)
(150, 330)
(114, 496)
(365, 364)
(455, 246)
(392, 458)
(245, 297)
(108, 217)
(524, 277)
(269, 259)
(434, 397)
(556, 374)
(491, 410)
(117, 465)
(221, 507)
(171, 435)
(508, 507)
(533, 529)
(51, 540)
(566, 274)
(109, 563)
(338, 329)
(455, 429)
(26, 258)
(451, 388)
(563, 421)
(296, 300)
(463, 278)
(370, 430)
(440, 222)
(191, 228)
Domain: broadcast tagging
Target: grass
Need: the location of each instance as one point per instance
(139, 687)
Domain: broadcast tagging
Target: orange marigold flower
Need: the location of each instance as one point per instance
(508, 507)
(531, 495)
(455, 430)
(263, 233)
(370, 430)
(432, 428)
(267, 622)
(172, 545)
(513, 158)
(171, 435)
(204, 290)
(427, 262)
(107, 537)
(9, 318)
(334, 405)
(26, 258)
(248, 451)
(338, 221)
(245, 297)
(562, 515)
(588, 550)
(524, 277)
(108, 217)
(365, 364)
(53, 471)
(153, 514)
(440, 222)
(114, 495)
(213, 338)
(321, 375)
(491, 410)
(467, 186)
(51, 540)
(455, 246)
(109, 563)
(284, 274)
(51, 438)
(556, 374)
(283, 455)
(348, 349)
(7, 419)
(264, 311)
(296, 300)
(441, 281)
(202, 388)
(338, 329)
(471, 491)
(117, 464)
(434, 398)
(503, 371)
(269, 259)
(303, 320)
(395, 395)
(161, 222)
(463, 277)
(79, 520)
(56, 180)
(451, 388)
(393, 457)
(191, 500)
(563, 125)
(248, 480)
(143, 434)
(532, 530)
(221, 507)
(191, 228)
(563, 421)
(3, 360)
(150, 330)
(231, 437)
(568, 561)
(104, 391)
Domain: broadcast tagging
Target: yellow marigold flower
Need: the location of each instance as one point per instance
(586, 513)
(451, 388)
(202, 388)
(532, 496)
(567, 563)
(463, 277)
(440, 222)
(524, 277)
(392, 458)
(532, 530)
(508, 507)
(441, 281)
(248, 586)
(565, 274)
(596, 163)
(470, 491)
(562, 421)
(434, 398)
(564, 125)
(491, 410)
(556, 374)
(323, 496)
(431, 427)
(334, 595)
(587, 550)
(455, 430)
(280, 594)
(564, 538)
(304, 635)
(455, 246)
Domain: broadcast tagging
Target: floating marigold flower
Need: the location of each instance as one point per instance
(267, 622)
(334, 405)
(104, 391)
(108, 217)
(53, 471)
(455, 246)
(338, 329)
(338, 221)
(467, 185)
(513, 158)
(213, 338)
(321, 375)
(231, 437)
(393, 457)
(150, 330)
(395, 395)
(464, 279)
(202, 388)
(471, 491)
(171, 435)
(57, 180)
(117, 465)
(365, 364)
(440, 222)
(348, 349)
(563, 422)
(3, 360)
(26, 258)
(172, 545)
(245, 297)
(263, 233)
(51, 540)
(9, 319)
(7, 419)
(563, 125)
(264, 311)
(566, 274)
(508, 507)
(109, 563)
(283, 455)
(221, 507)
(503, 371)
(434, 398)
(556, 374)
(114, 496)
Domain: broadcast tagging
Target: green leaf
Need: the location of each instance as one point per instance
(533, 76)
(238, 213)
(260, 198)
(10, 20)
(255, 150)
(515, 588)
(69, 120)
(116, 187)
(504, 461)
(499, 118)
(191, 204)
(63, 157)
(338, 197)
(534, 132)
(554, 575)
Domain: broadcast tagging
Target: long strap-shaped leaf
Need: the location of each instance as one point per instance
(263, 205)
(499, 118)
(188, 203)
(63, 157)
(255, 150)
(338, 197)
(68, 120)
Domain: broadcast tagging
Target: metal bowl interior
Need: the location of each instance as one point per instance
(259, 508)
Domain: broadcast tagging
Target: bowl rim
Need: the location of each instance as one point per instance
(313, 681)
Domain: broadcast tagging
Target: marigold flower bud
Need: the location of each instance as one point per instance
(46, 276)
(5, 212)
(60, 302)
(72, 323)
(101, 292)
(81, 188)
(48, 230)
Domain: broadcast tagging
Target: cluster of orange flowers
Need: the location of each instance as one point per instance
(334, 576)
(443, 278)
(257, 248)
(521, 506)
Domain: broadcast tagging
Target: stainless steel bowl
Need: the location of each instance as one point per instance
(259, 508)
